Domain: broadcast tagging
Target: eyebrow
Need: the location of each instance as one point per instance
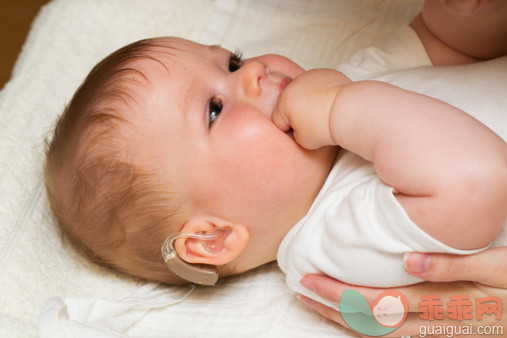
(214, 47)
(186, 99)
(184, 106)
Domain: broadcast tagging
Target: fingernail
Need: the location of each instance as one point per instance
(417, 263)
(305, 300)
(308, 283)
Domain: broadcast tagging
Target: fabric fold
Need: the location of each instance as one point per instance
(80, 317)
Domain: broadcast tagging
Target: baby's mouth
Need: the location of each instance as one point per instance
(290, 133)
(284, 83)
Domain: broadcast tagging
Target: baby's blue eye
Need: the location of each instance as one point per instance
(235, 61)
(214, 109)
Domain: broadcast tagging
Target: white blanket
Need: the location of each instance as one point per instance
(36, 262)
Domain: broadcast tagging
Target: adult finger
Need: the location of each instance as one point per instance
(411, 325)
(332, 289)
(488, 267)
(324, 310)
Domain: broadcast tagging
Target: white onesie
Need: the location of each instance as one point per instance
(356, 231)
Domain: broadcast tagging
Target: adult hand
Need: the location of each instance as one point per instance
(488, 267)
(478, 276)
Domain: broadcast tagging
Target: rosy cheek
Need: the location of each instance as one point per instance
(247, 139)
(251, 147)
(246, 124)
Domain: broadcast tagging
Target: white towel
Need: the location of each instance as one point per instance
(87, 317)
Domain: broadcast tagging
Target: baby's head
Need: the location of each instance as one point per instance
(166, 135)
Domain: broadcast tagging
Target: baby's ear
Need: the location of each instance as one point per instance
(231, 241)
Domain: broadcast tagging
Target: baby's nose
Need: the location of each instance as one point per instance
(251, 75)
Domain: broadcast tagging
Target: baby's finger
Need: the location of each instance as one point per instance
(445, 268)
(280, 119)
(280, 116)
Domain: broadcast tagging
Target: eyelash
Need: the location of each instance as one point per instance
(214, 103)
(234, 62)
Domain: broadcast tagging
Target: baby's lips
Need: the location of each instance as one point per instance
(290, 133)
(285, 81)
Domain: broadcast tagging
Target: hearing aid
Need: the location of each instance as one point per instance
(203, 274)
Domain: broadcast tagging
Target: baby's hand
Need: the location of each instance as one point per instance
(305, 106)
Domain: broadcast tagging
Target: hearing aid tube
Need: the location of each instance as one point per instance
(203, 274)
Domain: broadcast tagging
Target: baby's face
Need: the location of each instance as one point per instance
(207, 128)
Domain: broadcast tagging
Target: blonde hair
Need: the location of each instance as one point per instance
(115, 213)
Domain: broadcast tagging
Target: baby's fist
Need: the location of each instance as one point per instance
(306, 104)
(471, 7)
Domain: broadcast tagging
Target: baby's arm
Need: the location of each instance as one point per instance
(449, 170)
(462, 31)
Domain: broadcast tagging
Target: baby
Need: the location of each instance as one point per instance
(166, 135)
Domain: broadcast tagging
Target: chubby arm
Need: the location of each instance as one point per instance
(449, 170)
(462, 31)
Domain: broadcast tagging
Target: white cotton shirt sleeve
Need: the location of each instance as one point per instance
(356, 232)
